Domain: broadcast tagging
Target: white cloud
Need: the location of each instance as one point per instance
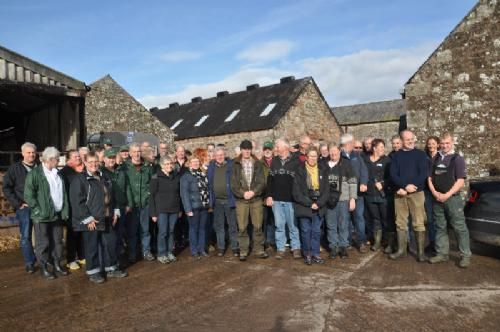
(359, 77)
(265, 52)
(366, 75)
(178, 56)
(235, 82)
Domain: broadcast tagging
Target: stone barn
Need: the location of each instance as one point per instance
(458, 90)
(110, 108)
(289, 109)
(382, 119)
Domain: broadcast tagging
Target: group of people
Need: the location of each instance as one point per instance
(123, 202)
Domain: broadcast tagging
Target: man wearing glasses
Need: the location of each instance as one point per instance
(351, 150)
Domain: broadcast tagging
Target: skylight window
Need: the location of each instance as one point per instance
(268, 109)
(232, 116)
(201, 120)
(176, 124)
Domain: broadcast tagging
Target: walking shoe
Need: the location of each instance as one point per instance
(220, 253)
(30, 268)
(279, 254)
(131, 259)
(363, 248)
(243, 257)
(343, 253)
(58, 269)
(318, 260)
(334, 253)
(46, 273)
(73, 266)
(149, 256)
(195, 257)
(116, 274)
(163, 259)
(464, 262)
(297, 254)
(308, 260)
(262, 254)
(96, 278)
(439, 258)
(171, 258)
(204, 254)
(236, 253)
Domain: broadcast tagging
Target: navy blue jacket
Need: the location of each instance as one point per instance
(358, 166)
(409, 167)
(190, 193)
(211, 175)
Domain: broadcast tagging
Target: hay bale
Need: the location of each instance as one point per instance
(9, 242)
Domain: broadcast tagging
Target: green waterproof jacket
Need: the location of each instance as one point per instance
(137, 184)
(37, 196)
(119, 181)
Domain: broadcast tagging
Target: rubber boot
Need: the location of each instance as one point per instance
(378, 239)
(420, 238)
(402, 244)
(391, 245)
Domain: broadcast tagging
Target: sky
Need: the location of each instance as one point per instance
(171, 51)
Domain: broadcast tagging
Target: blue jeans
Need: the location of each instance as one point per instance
(358, 219)
(139, 220)
(223, 212)
(197, 228)
(166, 225)
(337, 223)
(284, 216)
(431, 225)
(310, 232)
(25, 227)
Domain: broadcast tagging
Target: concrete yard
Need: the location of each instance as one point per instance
(363, 293)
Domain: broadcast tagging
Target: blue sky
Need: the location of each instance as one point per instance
(167, 51)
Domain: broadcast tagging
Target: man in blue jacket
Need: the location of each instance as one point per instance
(361, 172)
(409, 172)
(222, 200)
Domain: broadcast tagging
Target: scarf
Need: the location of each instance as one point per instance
(313, 173)
(202, 186)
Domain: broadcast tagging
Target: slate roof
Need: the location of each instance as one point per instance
(382, 111)
(251, 103)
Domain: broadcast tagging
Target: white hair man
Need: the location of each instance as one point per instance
(279, 196)
(45, 194)
(361, 172)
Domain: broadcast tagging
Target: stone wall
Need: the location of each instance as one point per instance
(231, 141)
(384, 130)
(458, 90)
(108, 107)
(309, 114)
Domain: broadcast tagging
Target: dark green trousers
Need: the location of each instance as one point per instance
(452, 212)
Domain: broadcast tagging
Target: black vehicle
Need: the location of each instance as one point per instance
(482, 211)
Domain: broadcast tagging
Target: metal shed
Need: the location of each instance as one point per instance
(38, 104)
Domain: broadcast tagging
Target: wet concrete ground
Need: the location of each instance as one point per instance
(363, 293)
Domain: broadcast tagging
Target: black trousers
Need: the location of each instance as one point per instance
(379, 215)
(48, 241)
(100, 250)
(74, 244)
